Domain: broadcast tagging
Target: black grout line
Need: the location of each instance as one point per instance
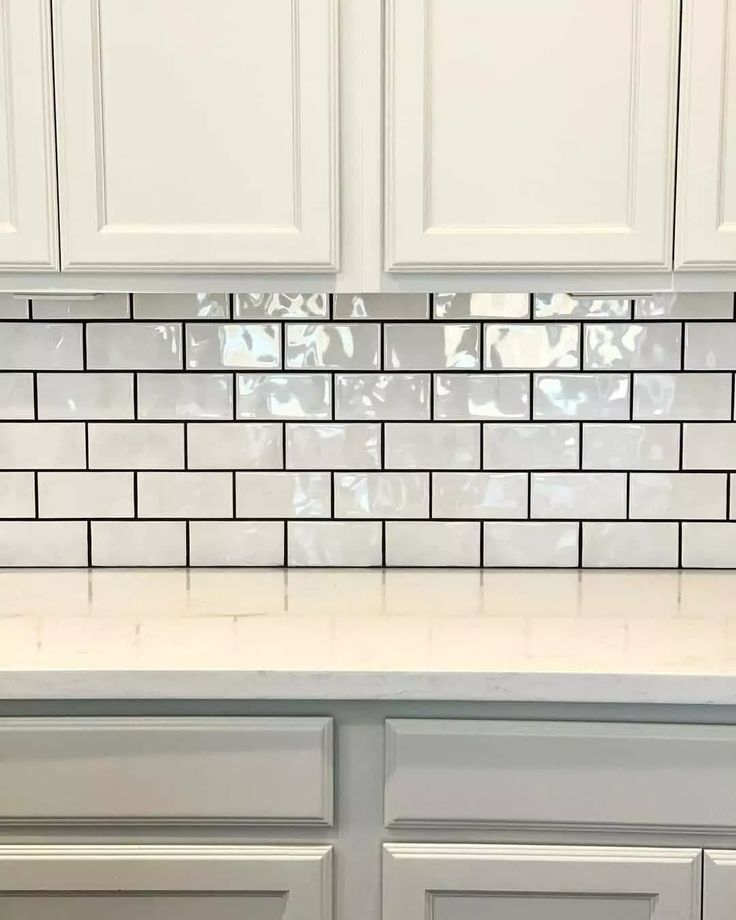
(472, 519)
(89, 544)
(135, 494)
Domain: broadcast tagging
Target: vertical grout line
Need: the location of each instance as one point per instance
(430, 510)
(89, 544)
(383, 543)
(86, 445)
(733, 396)
(330, 306)
(34, 383)
(481, 524)
(36, 503)
(581, 345)
(184, 328)
(581, 445)
(282, 345)
(283, 446)
(628, 495)
(30, 308)
(235, 494)
(528, 495)
(135, 494)
(234, 382)
(530, 380)
(187, 544)
(728, 496)
(681, 446)
(683, 336)
(231, 306)
(185, 438)
(286, 542)
(130, 306)
(332, 494)
(84, 346)
(632, 380)
(679, 544)
(580, 544)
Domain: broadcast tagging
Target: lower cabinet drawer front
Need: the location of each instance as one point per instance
(477, 882)
(165, 883)
(475, 773)
(138, 770)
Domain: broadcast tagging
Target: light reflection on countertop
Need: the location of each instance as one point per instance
(409, 634)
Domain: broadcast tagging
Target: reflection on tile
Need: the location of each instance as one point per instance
(431, 445)
(709, 446)
(181, 306)
(432, 346)
(185, 396)
(581, 396)
(265, 396)
(635, 446)
(282, 495)
(41, 346)
(490, 306)
(481, 396)
(627, 544)
(16, 396)
(632, 346)
(433, 543)
(479, 495)
(529, 446)
(381, 306)
(97, 306)
(595, 307)
(212, 346)
(341, 543)
(578, 495)
(233, 543)
(693, 496)
(280, 306)
(710, 346)
(85, 396)
(134, 346)
(682, 397)
(684, 306)
(532, 346)
(382, 396)
(530, 544)
(382, 495)
(339, 346)
(234, 445)
(352, 446)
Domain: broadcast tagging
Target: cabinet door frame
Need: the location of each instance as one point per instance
(412, 873)
(644, 243)
(90, 241)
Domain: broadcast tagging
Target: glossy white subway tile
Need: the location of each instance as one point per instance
(710, 346)
(683, 397)
(283, 495)
(181, 306)
(185, 495)
(480, 495)
(631, 545)
(85, 495)
(547, 306)
(631, 446)
(16, 396)
(531, 446)
(17, 495)
(432, 445)
(681, 305)
(132, 446)
(485, 306)
(531, 346)
(139, 543)
(42, 445)
(432, 346)
(284, 396)
(334, 346)
(235, 445)
(13, 307)
(96, 306)
(578, 495)
(134, 346)
(334, 446)
(334, 543)
(632, 346)
(530, 544)
(382, 396)
(40, 347)
(85, 396)
(709, 545)
(281, 306)
(382, 495)
(465, 397)
(678, 496)
(43, 543)
(433, 543)
(381, 306)
(236, 543)
(185, 396)
(709, 446)
(233, 346)
(587, 397)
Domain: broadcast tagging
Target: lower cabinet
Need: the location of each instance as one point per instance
(165, 883)
(479, 882)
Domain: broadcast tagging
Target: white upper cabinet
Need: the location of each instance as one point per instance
(198, 135)
(530, 134)
(28, 222)
(706, 194)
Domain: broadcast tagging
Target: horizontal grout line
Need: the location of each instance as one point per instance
(349, 470)
(441, 519)
(318, 320)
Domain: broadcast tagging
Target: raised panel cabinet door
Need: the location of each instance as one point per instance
(28, 221)
(719, 884)
(530, 134)
(165, 883)
(198, 135)
(706, 171)
(479, 882)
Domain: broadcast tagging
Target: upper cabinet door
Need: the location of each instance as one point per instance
(706, 193)
(198, 135)
(28, 222)
(530, 134)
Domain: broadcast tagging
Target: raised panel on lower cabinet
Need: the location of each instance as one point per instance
(719, 884)
(165, 883)
(478, 882)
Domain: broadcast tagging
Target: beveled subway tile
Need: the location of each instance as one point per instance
(282, 495)
(215, 346)
(480, 495)
(334, 543)
(481, 396)
(134, 346)
(280, 306)
(285, 396)
(236, 543)
(587, 397)
(710, 346)
(632, 346)
(578, 495)
(382, 396)
(381, 306)
(433, 543)
(16, 396)
(41, 347)
(687, 496)
(682, 305)
(334, 446)
(181, 306)
(382, 495)
(337, 346)
(531, 446)
(581, 307)
(432, 346)
(628, 544)
(99, 306)
(530, 544)
(709, 446)
(487, 306)
(531, 346)
(631, 446)
(682, 397)
(135, 446)
(432, 445)
(185, 396)
(85, 396)
(234, 445)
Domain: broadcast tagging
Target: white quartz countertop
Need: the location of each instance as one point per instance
(568, 636)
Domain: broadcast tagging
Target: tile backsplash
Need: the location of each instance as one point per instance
(368, 430)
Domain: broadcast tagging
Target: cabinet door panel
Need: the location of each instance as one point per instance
(706, 193)
(28, 223)
(198, 135)
(530, 134)
(165, 883)
(478, 882)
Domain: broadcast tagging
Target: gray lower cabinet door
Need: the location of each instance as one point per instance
(70, 882)
(719, 884)
(479, 882)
